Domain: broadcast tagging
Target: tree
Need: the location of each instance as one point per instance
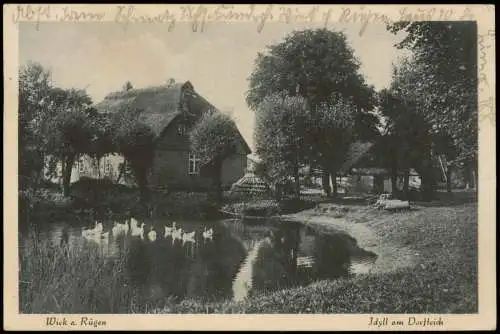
(34, 88)
(316, 65)
(67, 130)
(280, 137)
(53, 122)
(213, 138)
(135, 141)
(442, 80)
(313, 64)
(406, 142)
(334, 125)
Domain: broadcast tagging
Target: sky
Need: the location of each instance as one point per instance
(101, 57)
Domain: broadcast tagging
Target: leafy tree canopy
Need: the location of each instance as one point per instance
(441, 78)
(313, 64)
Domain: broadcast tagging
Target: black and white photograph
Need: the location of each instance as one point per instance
(251, 159)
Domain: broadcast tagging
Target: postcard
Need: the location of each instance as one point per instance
(249, 167)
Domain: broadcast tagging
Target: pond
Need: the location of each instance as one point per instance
(216, 260)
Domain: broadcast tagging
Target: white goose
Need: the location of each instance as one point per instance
(208, 234)
(99, 227)
(133, 222)
(137, 231)
(152, 234)
(117, 229)
(176, 234)
(169, 230)
(86, 233)
(141, 230)
(125, 228)
(93, 232)
(188, 237)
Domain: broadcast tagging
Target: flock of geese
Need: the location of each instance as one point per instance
(137, 230)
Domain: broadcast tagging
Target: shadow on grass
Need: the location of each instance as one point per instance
(441, 198)
(454, 198)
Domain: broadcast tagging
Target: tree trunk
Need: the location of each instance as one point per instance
(333, 173)
(448, 178)
(426, 185)
(406, 184)
(467, 175)
(297, 180)
(277, 191)
(325, 180)
(120, 173)
(394, 180)
(428, 182)
(69, 160)
(140, 175)
(218, 181)
(98, 167)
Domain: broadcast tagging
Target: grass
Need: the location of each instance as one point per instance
(59, 279)
(442, 279)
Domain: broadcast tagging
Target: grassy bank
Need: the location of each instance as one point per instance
(59, 279)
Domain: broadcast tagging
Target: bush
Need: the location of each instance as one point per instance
(103, 195)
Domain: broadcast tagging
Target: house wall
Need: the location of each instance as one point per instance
(171, 162)
(233, 169)
(108, 167)
(171, 169)
(58, 177)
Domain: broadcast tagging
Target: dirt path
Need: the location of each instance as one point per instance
(366, 226)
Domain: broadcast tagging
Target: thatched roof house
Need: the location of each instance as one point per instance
(158, 106)
(170, 111)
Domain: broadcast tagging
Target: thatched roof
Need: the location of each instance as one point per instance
(357, 150)
(158, 106)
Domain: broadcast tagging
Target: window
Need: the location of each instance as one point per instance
(108, 168)
(80, 165)
(181, 129)
(194, 164)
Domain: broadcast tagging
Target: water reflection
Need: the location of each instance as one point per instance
(220, 259)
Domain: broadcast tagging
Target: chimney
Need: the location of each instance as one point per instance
(127, 86)
(171, 82)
